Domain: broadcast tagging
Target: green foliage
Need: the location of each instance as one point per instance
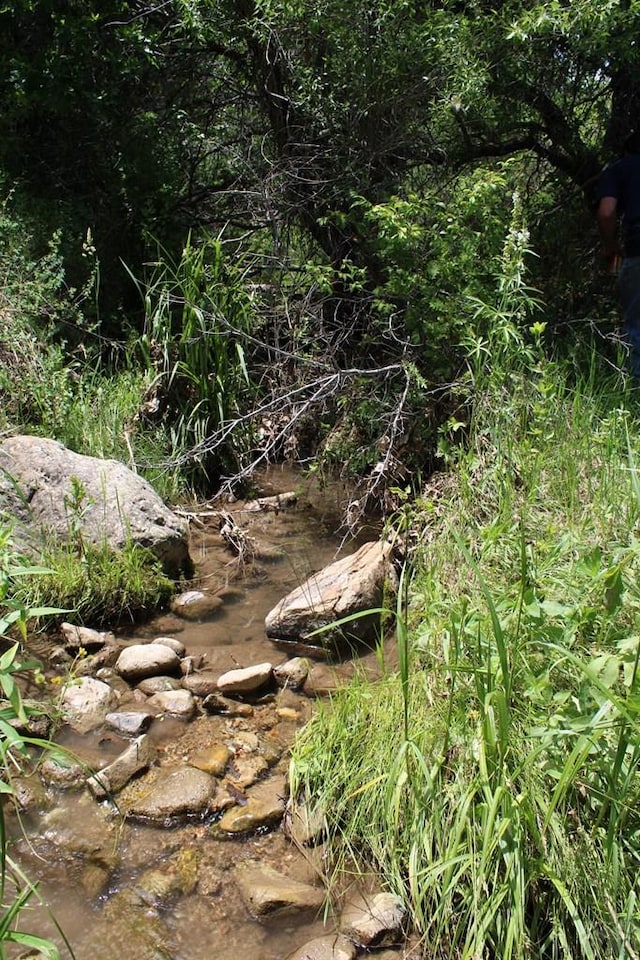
(16, 747)
(197, 318)
(494, 780)
(101, 586)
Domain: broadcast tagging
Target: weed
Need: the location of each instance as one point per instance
(494, 781)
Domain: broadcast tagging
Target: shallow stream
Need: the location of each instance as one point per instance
(121, 889)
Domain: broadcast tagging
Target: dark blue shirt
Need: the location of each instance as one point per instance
(621, 179)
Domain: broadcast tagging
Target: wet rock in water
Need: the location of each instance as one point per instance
(27, 793)
(374, 920)
(292, 673)
(86, 702)
(216, 704)
(245, 771)
(115, 681)
(143, 660)
(175, 793)
(226, 796)
(129, 927)
(66, 774)
(37, 723)
(352, 585)
(151, 685)
(117, 506)
(112, 778)
(94, 879)
(303, 823)
(264, 807)
(247, 680)
(177, 646)
(213, 759)
(130, 723)
(201, 684)
(195, 605)
(330, 947)
(180, 703)
(176, 877)
(76, 638)
(265, 891)
(81, 830)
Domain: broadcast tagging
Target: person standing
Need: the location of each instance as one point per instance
(619, 206)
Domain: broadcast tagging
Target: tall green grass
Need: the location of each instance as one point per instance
(494, 781)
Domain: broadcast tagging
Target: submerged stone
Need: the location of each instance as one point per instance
(330, 947)
(183, 791)
(266, 891)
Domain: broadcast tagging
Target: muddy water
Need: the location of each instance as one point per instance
(92, 864)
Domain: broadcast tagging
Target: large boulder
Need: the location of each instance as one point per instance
(364, 581)
(48, 490)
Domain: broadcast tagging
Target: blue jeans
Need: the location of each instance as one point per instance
(629, 290)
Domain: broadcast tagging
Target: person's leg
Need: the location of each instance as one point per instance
(629, 287)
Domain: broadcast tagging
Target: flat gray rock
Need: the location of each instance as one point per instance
(292, 673)
(151, 685)
(130, 723)
(180, 703)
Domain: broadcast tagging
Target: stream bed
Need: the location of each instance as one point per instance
(121, 888)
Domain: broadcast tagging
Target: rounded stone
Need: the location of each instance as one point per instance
(245, 680)
(178, 702)
(147, 660)
(177, 646)
(182, 791)
(86, 702)
(195, 605)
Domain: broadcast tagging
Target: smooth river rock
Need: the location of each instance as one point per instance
(76, 638)
(195, 605)
(130, 723)
(180, 703)
(185, 790)
(264, 807)
(212, 759)
(292, 673)
(177, 646)
(245, 680)
(142, 660)
(266, 891)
